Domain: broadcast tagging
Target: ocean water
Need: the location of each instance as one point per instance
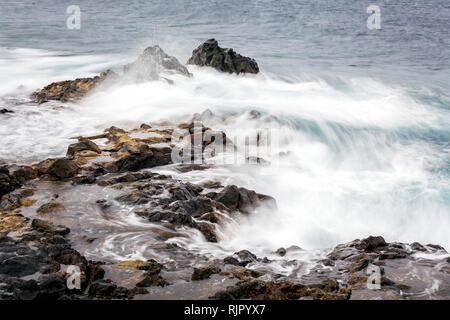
(364, 115)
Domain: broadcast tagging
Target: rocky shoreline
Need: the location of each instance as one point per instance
(120, 165)
(35, 251)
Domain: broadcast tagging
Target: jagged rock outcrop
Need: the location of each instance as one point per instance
(226, 60)
(162, 199)
(154, 63)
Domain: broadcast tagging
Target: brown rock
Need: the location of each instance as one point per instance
(71, 89)
(82, 145)
(135, 264)
(11, 222)
(45, 226)
(204, 273)
(63, 168)
(150, 280)
(370, 243)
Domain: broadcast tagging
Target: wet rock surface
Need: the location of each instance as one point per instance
(204, 273)
(72, 90)
(362, 269)
(162, 199)
(32, 266)
(223, 59)
(8, 181)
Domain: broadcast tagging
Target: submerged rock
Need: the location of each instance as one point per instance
(50, 207)
(44, 226)
(226, 60)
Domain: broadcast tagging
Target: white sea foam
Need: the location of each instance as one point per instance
(354, 166)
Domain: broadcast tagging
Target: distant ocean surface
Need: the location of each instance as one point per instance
(366, 113)
(283, 35)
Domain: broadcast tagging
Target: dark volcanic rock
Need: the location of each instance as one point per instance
(241, 199)
(240, 258)
(63, 168)
(226, 60)
(151, 276)
(208, 230)
(19, 266)
(7, 182)
(174, 218)
(152, 267)
(370, 243)
(284, 290)
(150, 280)
(152, 64)
(106, 289)
(231, 260)
(21, 174)
(195, 206)
(47, 287)
(150, 159)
